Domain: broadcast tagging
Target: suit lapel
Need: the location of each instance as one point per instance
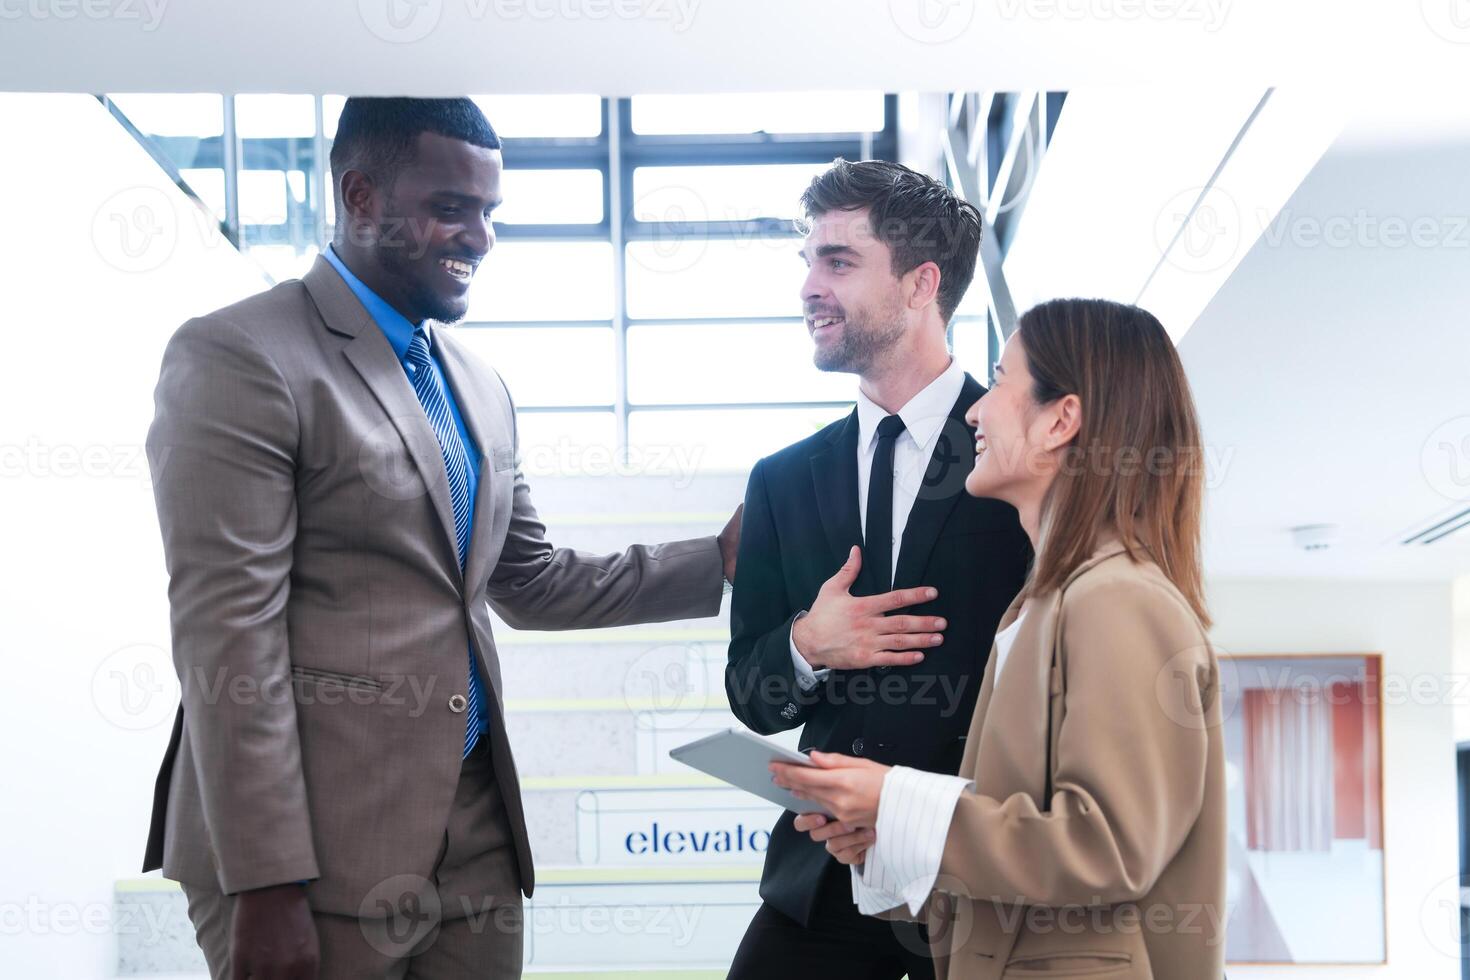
(950, 461)
(834, 475)
(372, 356)
(483, 420)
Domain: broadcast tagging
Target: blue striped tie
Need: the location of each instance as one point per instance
(456, 465)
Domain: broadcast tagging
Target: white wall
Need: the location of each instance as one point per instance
(83, 609)
(1462, 653)
(1410, 625)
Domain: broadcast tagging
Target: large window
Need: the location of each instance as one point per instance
(676, 297)
(643, 293)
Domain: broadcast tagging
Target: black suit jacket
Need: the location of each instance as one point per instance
(801, 520)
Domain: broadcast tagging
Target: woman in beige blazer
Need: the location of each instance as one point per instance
(1085, 833)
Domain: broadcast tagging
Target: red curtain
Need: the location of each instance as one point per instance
(1313, 765)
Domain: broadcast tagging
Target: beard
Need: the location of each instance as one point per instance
(397, 258)
(866, 336)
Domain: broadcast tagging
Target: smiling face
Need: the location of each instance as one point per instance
(1018, 441)
(427, 234)
(854, 304)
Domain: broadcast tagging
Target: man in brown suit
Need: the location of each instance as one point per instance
(340, 500)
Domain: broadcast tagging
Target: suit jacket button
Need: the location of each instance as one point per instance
(456, 703)
(857, 746)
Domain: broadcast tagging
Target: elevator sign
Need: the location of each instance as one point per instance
(673, 827)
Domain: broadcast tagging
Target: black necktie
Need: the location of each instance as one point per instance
(878, 537)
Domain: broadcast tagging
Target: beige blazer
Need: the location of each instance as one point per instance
(321, 623)
(1093, 844)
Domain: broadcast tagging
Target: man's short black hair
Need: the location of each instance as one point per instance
(377, 136)
(917, 217)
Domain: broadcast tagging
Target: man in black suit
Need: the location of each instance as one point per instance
(870, 583)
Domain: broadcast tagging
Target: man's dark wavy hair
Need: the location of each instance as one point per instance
(917, 217)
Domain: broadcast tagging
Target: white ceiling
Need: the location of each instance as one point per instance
(1151, 194)
(618, 47)
(1332, 370)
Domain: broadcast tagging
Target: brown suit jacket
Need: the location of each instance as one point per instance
(320, 618)
(1093, 843)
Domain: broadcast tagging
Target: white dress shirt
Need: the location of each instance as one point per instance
(1003, 641)
(914, 812)
(923, 417)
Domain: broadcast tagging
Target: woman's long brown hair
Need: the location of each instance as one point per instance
(1137, 462)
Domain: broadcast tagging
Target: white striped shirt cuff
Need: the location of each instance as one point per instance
(870, 901)
(914, 813)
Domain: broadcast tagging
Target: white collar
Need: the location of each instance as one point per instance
(924, 414)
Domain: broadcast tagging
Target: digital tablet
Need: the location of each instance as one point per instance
(740, 758)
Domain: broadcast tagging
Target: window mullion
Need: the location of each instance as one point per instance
(619, 181)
